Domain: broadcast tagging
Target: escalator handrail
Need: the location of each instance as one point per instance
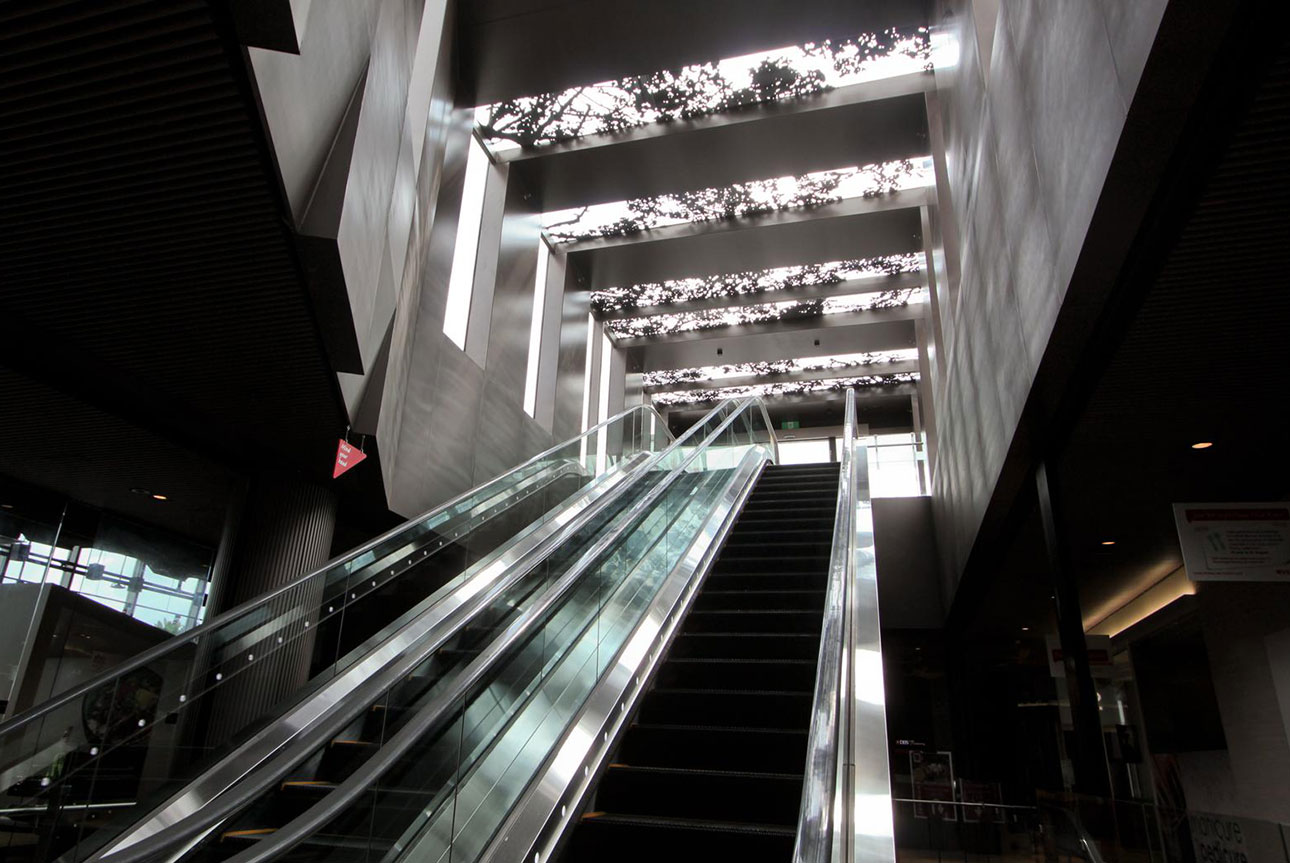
(816, 825)
(190, 637)
(826, 828)
(357, 783)
(558, 789)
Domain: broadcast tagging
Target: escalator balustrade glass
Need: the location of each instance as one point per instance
(76, 769)
(444, 773)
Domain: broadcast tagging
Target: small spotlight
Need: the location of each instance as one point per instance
(1108, 542)
(1025, 629)
(1205, 444)
(160, 497)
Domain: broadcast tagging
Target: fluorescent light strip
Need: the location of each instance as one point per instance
(461, 280)
(602, 439)
(535, 328)
(586, 384)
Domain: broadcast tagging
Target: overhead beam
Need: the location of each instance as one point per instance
(876, 121)
(776, 342)
(871, 395)
(869, 317)
(856, 228)
(816, 291)
(511, 48)
(896, 368)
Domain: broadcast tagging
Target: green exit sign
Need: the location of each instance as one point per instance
(790, 424)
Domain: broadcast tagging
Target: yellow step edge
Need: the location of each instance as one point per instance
(258, 831)
(310, 783)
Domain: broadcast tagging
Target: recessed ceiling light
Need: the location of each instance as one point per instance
(160, 497)
(1025, 629)
(1204, 444)
(6, 506)
(140, 490)
(1108, 542)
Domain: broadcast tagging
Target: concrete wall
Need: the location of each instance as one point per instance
(1028, 136)
(372, 152)
(1247, 636)
(460, 422)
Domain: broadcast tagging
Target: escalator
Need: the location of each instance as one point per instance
(648, 667)
(341, 756)
(77, 768)
(712, 766)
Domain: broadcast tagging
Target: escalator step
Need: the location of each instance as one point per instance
(746, 645)
(636, 839)
(781, 675)
(767, 750)
(752, 708)
(752, 621)
(767, 580)
(748, 600)
(709, 795)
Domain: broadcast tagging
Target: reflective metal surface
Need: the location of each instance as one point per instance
(846, 812)
(193, 635)
(536, 824)
(348, 791)
(324, 713)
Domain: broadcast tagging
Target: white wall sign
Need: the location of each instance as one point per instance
(1234, 541)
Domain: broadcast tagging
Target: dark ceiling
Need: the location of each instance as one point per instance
(1207, 358)
(516, 48)
(1204, 355)
(146, 268)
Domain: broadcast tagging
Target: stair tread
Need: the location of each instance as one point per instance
(701, 771)
(777, 693)
(747, 729)
(694, 660)
(688, 824)
(759, 591)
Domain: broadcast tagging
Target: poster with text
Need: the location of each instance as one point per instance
(933, 779)
(1234, 541)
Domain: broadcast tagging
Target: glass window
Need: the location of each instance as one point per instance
(461, 280)
(535, 329)
(805, 451)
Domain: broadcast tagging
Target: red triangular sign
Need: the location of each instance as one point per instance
(346, 457)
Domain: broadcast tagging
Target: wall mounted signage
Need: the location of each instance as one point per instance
(346, 458)
(1234, 541)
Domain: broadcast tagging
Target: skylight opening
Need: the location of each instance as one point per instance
(621, 218)
(787, 388)
(703, 89)
(648, 294)
(830, 362)
(461, 279)
(682, 322)
(535, 329)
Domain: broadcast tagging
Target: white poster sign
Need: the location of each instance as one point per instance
(1234, 541)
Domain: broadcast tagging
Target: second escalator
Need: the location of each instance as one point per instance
(711, 766)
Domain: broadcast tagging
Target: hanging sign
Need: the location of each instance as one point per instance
(346, 457)
(1234, 541)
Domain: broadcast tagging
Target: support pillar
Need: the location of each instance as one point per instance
(283, 532)
(1088, 752)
